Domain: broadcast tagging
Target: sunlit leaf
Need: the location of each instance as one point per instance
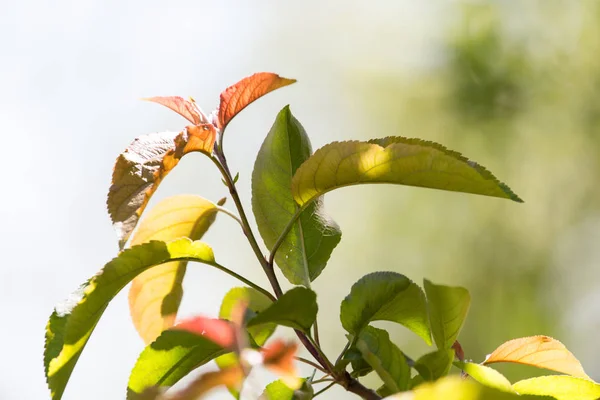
(385, 296)
(396, 160)
(561, 387)
(448, 307)
(72, 323)
(236, 97)
(173, 355)
(485, 375)
(434, 365)
(296, 308)
(143, 165)
(538, 351)
(155, 295)
(305, 250)
(455, 388)
(280, 391)
(209, 381)
(187, 109)
(279, 357)
(385, 358)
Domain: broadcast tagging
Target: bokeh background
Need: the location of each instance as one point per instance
(512, 85)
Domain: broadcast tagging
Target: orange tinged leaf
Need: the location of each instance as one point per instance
(538, 351)
(181, 106)
(220, 331)
(237, 97)
(143, 165)
(231, 377)
(155, 295)
(279, 358)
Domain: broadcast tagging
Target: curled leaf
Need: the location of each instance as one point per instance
(143, 165)
(395, 160)
(187, 109)
(538, 351)
(155, 295)
(237, 97)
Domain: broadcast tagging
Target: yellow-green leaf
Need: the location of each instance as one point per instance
(434, 365)
(448, 307)
(396, 160)
(143, 165)
(561, 387)
(155, 295)
(538, 351)
(72, 323)
(485, 375)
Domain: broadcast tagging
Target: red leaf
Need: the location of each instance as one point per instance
(231, 377)
(187, 109)
(220, 331)
(237, 97)
(279, 358)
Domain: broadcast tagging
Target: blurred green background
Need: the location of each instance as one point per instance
(513, 85)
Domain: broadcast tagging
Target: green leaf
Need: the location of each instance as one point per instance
(257, 302)
(455, 388)
(359, 366)
(155, 295)
(71, 324)
(173, 355)
(280, 391)
(305, 250)
(485, 375)
(225, 361)
(386, 296)
(448, 307)
(397, 160)
(296, 308)
(385, 358)
(434, 365)
(561, 387)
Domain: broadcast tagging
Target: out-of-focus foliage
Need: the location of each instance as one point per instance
(519, 86)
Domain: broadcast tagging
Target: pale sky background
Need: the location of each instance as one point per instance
(71, 76)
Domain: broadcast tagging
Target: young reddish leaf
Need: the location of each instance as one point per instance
(232, 376)
(155, 295)
(279, 358)
(538, 351)
(237, 97)
(218, 330)
(143, 165)
(187, 109)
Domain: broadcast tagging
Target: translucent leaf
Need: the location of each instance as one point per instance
(220, 331)
(397, 160)
(455, 388)
(279, 358)
(155, 295)
(448, 307)
(143, 165)
(173, 355)
(385, 296)
(485, 375)
(306, 248)
(72, 323)
(237, 97)
(538, 351)
(278, 390)
(209, 381)
(385, 358)
(434, 365)
(187, 109)
(561, 387)
(296, 308)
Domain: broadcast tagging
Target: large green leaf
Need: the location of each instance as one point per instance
(456, 388)
(71, 324)
(561, 387)
(385, 358)
(396, 160)
(448, 307)
(306, 248)
(278, 390)
(386, 296)
(173, 355)
(155, 295)
(434, 365)
(296, 308)
(485, 375)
